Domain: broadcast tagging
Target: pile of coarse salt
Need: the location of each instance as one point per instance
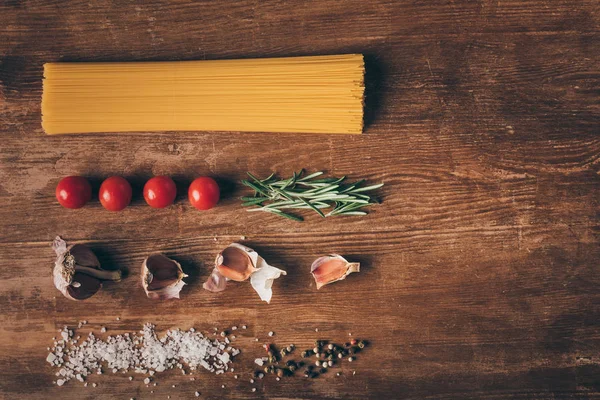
(143, 353)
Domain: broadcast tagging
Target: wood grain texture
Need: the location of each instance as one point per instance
(479, 275)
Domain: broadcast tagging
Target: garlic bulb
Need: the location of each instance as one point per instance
(238, 263)
(77, 272)
(332, 268)
(162, 278)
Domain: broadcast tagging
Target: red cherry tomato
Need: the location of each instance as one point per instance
(115, 193)
(73, 192)
(204, 193)
(160, 192)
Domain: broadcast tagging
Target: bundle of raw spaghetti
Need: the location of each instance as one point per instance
(299, 94)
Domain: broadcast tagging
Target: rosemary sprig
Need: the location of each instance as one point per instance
(311, 192)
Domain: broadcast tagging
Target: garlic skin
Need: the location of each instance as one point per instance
(215, 282)
(332, 268)
(162, 277)
(238, 263)
(77, 273)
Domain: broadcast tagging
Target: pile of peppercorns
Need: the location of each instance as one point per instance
(327, 356)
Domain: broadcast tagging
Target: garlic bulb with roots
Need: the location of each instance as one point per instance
(239, 263)
(162, 278)
(332, 268)
(77, 272)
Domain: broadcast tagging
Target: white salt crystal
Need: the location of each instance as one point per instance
(197, 394)
(60, 382)
(259, 362)
(51, 357)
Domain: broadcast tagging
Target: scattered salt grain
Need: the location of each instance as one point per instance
(316, 329)
(60, 382)
(103, 329)
(254, 389)
(244, 327)
(234, 328)
(271, 333)
(131, 378)
(197, 394)
(223, 386)
(118, 319)
(94, 384)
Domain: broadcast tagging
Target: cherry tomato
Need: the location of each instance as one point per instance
(204, 193)
(73, 192)
(160, 192)
(115, 193)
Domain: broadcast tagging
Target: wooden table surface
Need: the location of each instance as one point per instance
(480, 269)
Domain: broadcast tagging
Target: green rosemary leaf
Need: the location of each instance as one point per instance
(255, 201)
(268, 179)
(351, 187)
(313, 175)
(255, 188)
(368, 188)
(285, 215)
(353, 213)
(313, 207)
(252, 198)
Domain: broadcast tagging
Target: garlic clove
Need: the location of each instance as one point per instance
(332, 268)
(236, 263)
(77, 273)
(83, 286)
(162, 278)
(215, 282)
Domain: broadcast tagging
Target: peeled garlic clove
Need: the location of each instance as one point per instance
(162, 278)
(215, 282)
(332, 268)
(236, 262)
(77, 272)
